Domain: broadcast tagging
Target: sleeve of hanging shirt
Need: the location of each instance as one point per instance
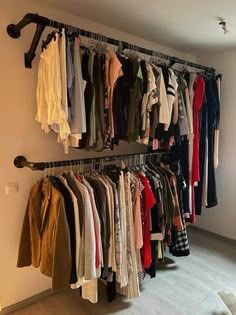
(61, 268)
(177, 219)
(150, 97)
(89, 237)
(171, 92)
(78, 122)
(152, 88)
(148, 202)
(164, 114)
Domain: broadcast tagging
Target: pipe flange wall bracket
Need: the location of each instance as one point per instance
(20, 161)
(13, 31)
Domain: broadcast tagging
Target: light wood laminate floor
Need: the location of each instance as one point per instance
(185, 285)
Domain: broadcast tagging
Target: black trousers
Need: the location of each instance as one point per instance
(202, 153)
(212, 109)
(208, 125)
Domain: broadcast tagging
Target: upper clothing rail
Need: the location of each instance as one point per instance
(14, 31)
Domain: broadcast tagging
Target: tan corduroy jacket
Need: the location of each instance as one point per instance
(45, 240)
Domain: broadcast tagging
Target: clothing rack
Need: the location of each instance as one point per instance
(21, 161)
(14, 31)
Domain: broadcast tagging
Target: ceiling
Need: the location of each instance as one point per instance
(186, 25)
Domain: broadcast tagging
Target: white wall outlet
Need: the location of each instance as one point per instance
(12, 188)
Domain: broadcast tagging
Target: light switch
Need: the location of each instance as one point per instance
(12, 188)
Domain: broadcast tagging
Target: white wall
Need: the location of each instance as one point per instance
(20, 134)
(222, 219)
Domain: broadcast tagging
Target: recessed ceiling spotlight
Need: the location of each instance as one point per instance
(224, 28)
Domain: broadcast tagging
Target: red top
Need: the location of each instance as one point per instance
(148, 201)
(197, 104)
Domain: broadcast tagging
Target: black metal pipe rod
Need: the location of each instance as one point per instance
(15, 32)
(21, 161)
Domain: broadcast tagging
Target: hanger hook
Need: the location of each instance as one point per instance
(49, 168)
(45, 169)
(80, 166)
(91, 166)
(53, 169)
(70, 161)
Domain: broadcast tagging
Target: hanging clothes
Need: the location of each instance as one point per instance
(99, 97)
(135, 102)
(78, 121)
(171, 94)
(201, 189)
(211, 188)
(63, 66)
(112, 225)
(38, 246)
(114, 97)
(115, 71)
(217, 127)
(50, 112)
(86, 60)
(197, 104)
(121, 99)
(70, 78)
